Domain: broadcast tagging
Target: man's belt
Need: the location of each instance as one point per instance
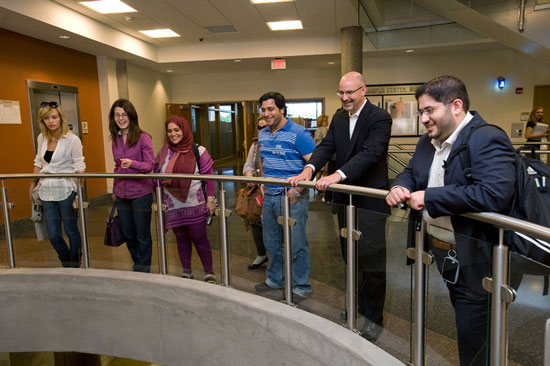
(443, 245)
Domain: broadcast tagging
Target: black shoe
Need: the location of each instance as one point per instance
(258, 265)
(371, 331)
(263, 287)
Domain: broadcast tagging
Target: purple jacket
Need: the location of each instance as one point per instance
(143, 161)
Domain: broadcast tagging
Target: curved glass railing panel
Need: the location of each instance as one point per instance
(528, 314)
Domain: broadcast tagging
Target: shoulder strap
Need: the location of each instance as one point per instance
(198, 159)
(464, 152)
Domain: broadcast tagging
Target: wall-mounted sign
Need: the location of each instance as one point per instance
(278, 64)
(10, 112)
(519, 90)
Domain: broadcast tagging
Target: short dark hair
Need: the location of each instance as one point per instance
(277, 97)
(445, 89)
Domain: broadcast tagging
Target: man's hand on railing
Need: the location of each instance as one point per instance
(306, 175)
(397, 196)
(323, 183)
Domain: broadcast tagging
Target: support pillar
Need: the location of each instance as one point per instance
(122, 79)
(351, 39)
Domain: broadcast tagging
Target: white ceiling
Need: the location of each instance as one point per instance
(392, 26)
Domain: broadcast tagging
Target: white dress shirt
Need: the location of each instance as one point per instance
(441, 228)
(67, 158)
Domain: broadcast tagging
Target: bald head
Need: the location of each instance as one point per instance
(352, 91)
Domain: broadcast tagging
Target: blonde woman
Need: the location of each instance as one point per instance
(59, 151)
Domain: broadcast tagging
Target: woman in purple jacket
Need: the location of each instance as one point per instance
(133, 154)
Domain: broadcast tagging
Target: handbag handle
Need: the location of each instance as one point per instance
(113, 209)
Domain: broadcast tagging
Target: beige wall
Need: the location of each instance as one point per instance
(478, 69)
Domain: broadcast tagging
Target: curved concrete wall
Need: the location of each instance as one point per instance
(166, 320)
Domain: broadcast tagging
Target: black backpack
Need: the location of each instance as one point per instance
(531, 203)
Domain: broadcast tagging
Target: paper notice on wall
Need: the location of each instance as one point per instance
(10, 112)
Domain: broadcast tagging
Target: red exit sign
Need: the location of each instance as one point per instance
(278, 64)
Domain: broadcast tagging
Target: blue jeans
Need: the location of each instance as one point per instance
(135, 220)
(273, 240)
(54, 213)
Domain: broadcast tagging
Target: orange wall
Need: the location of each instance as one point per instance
(26, 58)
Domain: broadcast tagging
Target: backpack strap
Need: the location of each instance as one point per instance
(198, 159)
(464, 152)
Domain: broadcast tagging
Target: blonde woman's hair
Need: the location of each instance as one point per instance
(63, 125)
(532, 117)
(321, 118)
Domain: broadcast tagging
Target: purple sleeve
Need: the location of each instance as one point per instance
(148, 157)
(206, 164)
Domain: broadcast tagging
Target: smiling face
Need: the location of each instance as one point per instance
(121, 119)
(351, 92)
(174, 133)
(273, 116)
(437, 118)
(52, 120)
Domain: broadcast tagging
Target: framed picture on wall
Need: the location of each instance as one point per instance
(399, 101)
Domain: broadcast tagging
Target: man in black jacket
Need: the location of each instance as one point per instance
(359, 135)
(435, 184)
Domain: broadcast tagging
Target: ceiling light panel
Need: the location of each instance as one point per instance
(270, 1)
(285, 25)
(108, 6)
(159, 33)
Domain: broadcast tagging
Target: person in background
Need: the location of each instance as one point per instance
(188, 205)
(534, 133)
(59, 151)
(320, 134)
(133, 154)
(252, 168)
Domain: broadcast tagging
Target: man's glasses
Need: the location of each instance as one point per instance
(427, 111)
(347, 92)
(51, 104)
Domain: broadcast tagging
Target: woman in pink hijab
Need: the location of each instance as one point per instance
(188, 205)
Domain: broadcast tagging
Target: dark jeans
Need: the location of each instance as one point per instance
(135, 220)
(55, 212)
(371, 261)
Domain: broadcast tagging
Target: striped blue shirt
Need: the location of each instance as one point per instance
(282, 152)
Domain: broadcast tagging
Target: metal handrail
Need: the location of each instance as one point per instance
(500, 268)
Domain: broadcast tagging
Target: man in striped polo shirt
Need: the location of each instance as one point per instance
(285, 147)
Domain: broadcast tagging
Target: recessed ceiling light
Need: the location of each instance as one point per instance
(237, 60)
(269, 1)
(108, 6)
(64, 37)
(331, 62)
(409, 51)
(169, 70)
(285, 25)
(159, 33)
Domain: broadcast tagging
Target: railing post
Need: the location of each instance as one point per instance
(419, 292)
(287, 222)
(85, 248)
(9, 238)
(160, 219)
(223, 214)
(351, 301)
(502, 294)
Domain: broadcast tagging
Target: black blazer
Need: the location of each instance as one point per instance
(493, 170)
(363, 159)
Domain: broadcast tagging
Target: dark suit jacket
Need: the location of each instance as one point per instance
(363, 159)
(492, 161)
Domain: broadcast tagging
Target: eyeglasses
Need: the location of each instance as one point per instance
(347, 92)
(260, 127)
(51, 104)
(427, 111)
(121, 115)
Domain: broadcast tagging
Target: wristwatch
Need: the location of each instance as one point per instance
(297, 194)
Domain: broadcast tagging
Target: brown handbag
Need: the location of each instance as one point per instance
(248, 205)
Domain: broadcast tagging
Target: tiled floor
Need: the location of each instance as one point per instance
(526, 316)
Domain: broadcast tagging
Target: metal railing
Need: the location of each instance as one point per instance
(502, 294)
